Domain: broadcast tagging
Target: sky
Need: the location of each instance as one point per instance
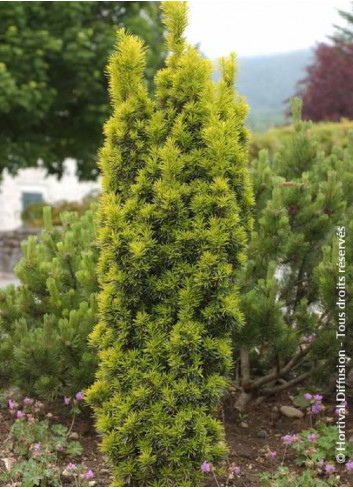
(257, 27)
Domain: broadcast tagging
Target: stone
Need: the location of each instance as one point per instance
(291, 412)
(244, 425)
(74, 436)
(261, 434)
(8, 462)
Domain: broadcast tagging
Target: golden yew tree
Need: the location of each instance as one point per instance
(174, 217)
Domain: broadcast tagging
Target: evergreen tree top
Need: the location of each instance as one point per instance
(175, 19)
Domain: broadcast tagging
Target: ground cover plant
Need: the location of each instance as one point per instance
(270, 450)
(40, 452)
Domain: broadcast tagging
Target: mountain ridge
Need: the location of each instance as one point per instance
(267, 81)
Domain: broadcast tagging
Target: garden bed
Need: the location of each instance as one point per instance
(253, 439)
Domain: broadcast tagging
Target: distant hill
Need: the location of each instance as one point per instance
(267, 82)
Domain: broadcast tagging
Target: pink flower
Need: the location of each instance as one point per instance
(71, 466)
(19, 414)
(37, 447)
(313, 437)
(237, 470)
(316, 408)
(337, 412)
(79, 396)
(89, 474)
(12, 404)
(318, 398)
(289, 439)
(349, 465)
(206, 467)
(273, 454)
(329, 469)
(67, 401)
(59, 448)
(27, 401)
(311, 338)
(308, 396)
(38, 405)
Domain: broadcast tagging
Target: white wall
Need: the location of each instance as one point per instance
(35, 180)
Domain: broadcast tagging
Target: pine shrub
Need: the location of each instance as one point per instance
(174, 216)
(301, 194)
(46, 320)
(328, 277)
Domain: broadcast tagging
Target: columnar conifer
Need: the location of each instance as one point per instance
(174, 216)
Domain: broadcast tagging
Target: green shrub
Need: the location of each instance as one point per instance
(174, 216)
(301, 194)
(328, 277)
(45, 322)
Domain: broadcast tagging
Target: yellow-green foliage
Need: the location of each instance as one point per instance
(174, 217)
(328, 135)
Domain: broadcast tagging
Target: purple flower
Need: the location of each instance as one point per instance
(59, 448)
(38, 405)
(329, 469)
(316, 408)
(349, 465)
(337, 412)
(19, 414)
(236, 470)
(67, 401)
(206, 467)
(273, 454)
(311, 338)
(27, 401)
(79, 396)
(12, 404)
(37, 447)
(318, 398)
(289, 439)
(89, 474)
(71, 466)
(308, 396)
(313, 437)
